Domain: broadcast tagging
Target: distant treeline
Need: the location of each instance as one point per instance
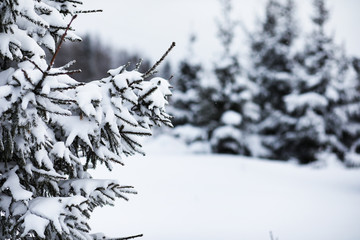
(94, 58)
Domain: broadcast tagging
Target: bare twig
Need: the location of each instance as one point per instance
(149, 72)
(60, 43)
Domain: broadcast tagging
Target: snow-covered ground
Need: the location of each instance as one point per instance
(215, 197)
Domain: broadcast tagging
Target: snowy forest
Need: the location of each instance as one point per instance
(261, 142)
(287, 103)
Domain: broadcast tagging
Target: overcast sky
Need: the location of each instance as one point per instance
(149, 26)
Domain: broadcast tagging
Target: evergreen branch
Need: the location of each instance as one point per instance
(39, 107)
(55, 100)
(122, 196)
(65, 73)
(33, 21)
(88, 11)
(149, 72)
(136, 133)
(129, 100)
(135, 146)
(117, 161)
(110, 136)
(127, 238)
(27, 77)
(42, 173)
(131, 144)
(136, 82)
(76, 2)
(123, 119)
(125, 187)
(68, 88)
(60, 28)
(69, 64)
(103, 191)
(124, 67)
(138, 88)
(117, 88)
(147, 94)
(119, 190)
(60, 43)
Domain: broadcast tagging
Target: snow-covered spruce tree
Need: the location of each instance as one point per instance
(322, 88)
(347, 114)
(186, 99)
(53, 128)
(230, 108)
(272, 70)
(351, 111)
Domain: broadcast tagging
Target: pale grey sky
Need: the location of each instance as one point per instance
(149, 26)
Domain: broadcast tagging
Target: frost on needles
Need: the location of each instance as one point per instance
(53, 128)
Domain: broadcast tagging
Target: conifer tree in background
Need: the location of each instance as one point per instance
(342, 121)
(228, 103)
(322, 87)
(53, 128)
(90, 55)
(351, 109)
(272, 70)
(185, 100)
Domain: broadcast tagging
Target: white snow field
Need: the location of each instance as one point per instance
(182, 196)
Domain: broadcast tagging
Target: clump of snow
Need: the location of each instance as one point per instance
(231, 118)
(310, 99)
(200, 147)
(352, 159)
(43, 210)
(85, 97)
(35, 223)
(254, 143)
(227, 132)
(13, 184)
(251, 111)
(189, 133)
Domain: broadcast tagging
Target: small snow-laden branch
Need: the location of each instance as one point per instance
(127, 238)
(63, 214)
(110, 115)
(32, 27)
(101, 236)
(89, 11)
(98, 192)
